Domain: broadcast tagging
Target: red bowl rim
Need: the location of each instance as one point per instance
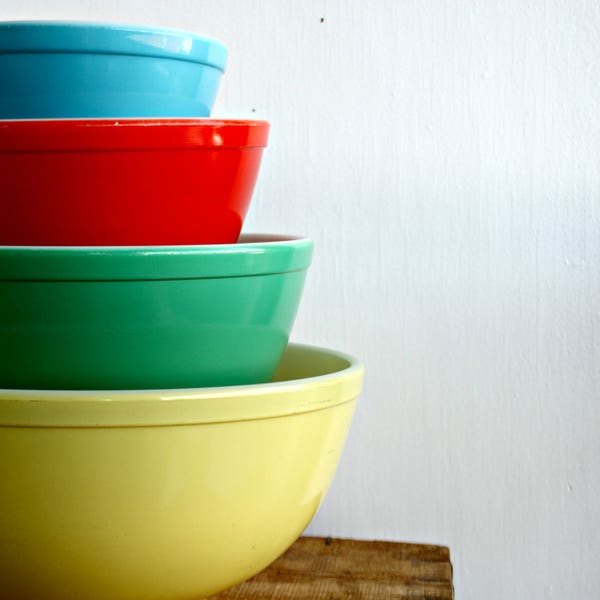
(61, 135)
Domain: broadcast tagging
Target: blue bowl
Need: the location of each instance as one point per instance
(94, 70)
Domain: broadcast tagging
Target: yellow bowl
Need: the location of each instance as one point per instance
(171, 494)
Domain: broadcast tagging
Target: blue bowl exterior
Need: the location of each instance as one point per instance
(62, 70)
(53, 86)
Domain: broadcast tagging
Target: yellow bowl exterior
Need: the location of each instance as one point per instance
(175, 511)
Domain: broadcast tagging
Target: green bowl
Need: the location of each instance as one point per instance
(148, 317)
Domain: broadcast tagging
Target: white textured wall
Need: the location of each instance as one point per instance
(444, 155)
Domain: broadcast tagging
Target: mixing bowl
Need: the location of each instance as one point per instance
(131, 182)
(173, 494)
(70, 69)
(148, 317)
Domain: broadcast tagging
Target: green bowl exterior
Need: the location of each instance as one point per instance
(143, 334)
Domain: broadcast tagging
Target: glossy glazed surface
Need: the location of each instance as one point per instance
(111, 318)
(130, 508)
(127, 182)
(66, 70)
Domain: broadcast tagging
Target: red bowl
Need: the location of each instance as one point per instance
(127, 182)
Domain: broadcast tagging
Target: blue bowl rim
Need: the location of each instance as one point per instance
(72, 37)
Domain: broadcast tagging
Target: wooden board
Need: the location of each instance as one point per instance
(335, 569)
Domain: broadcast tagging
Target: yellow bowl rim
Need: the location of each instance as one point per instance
(192, 406)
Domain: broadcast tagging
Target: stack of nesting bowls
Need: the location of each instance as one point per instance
(159, 438)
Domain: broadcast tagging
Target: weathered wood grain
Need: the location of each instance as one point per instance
(335, 569)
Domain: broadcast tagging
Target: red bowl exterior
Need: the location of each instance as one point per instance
(127, 183)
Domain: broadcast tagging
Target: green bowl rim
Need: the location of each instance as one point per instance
(253, 254)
